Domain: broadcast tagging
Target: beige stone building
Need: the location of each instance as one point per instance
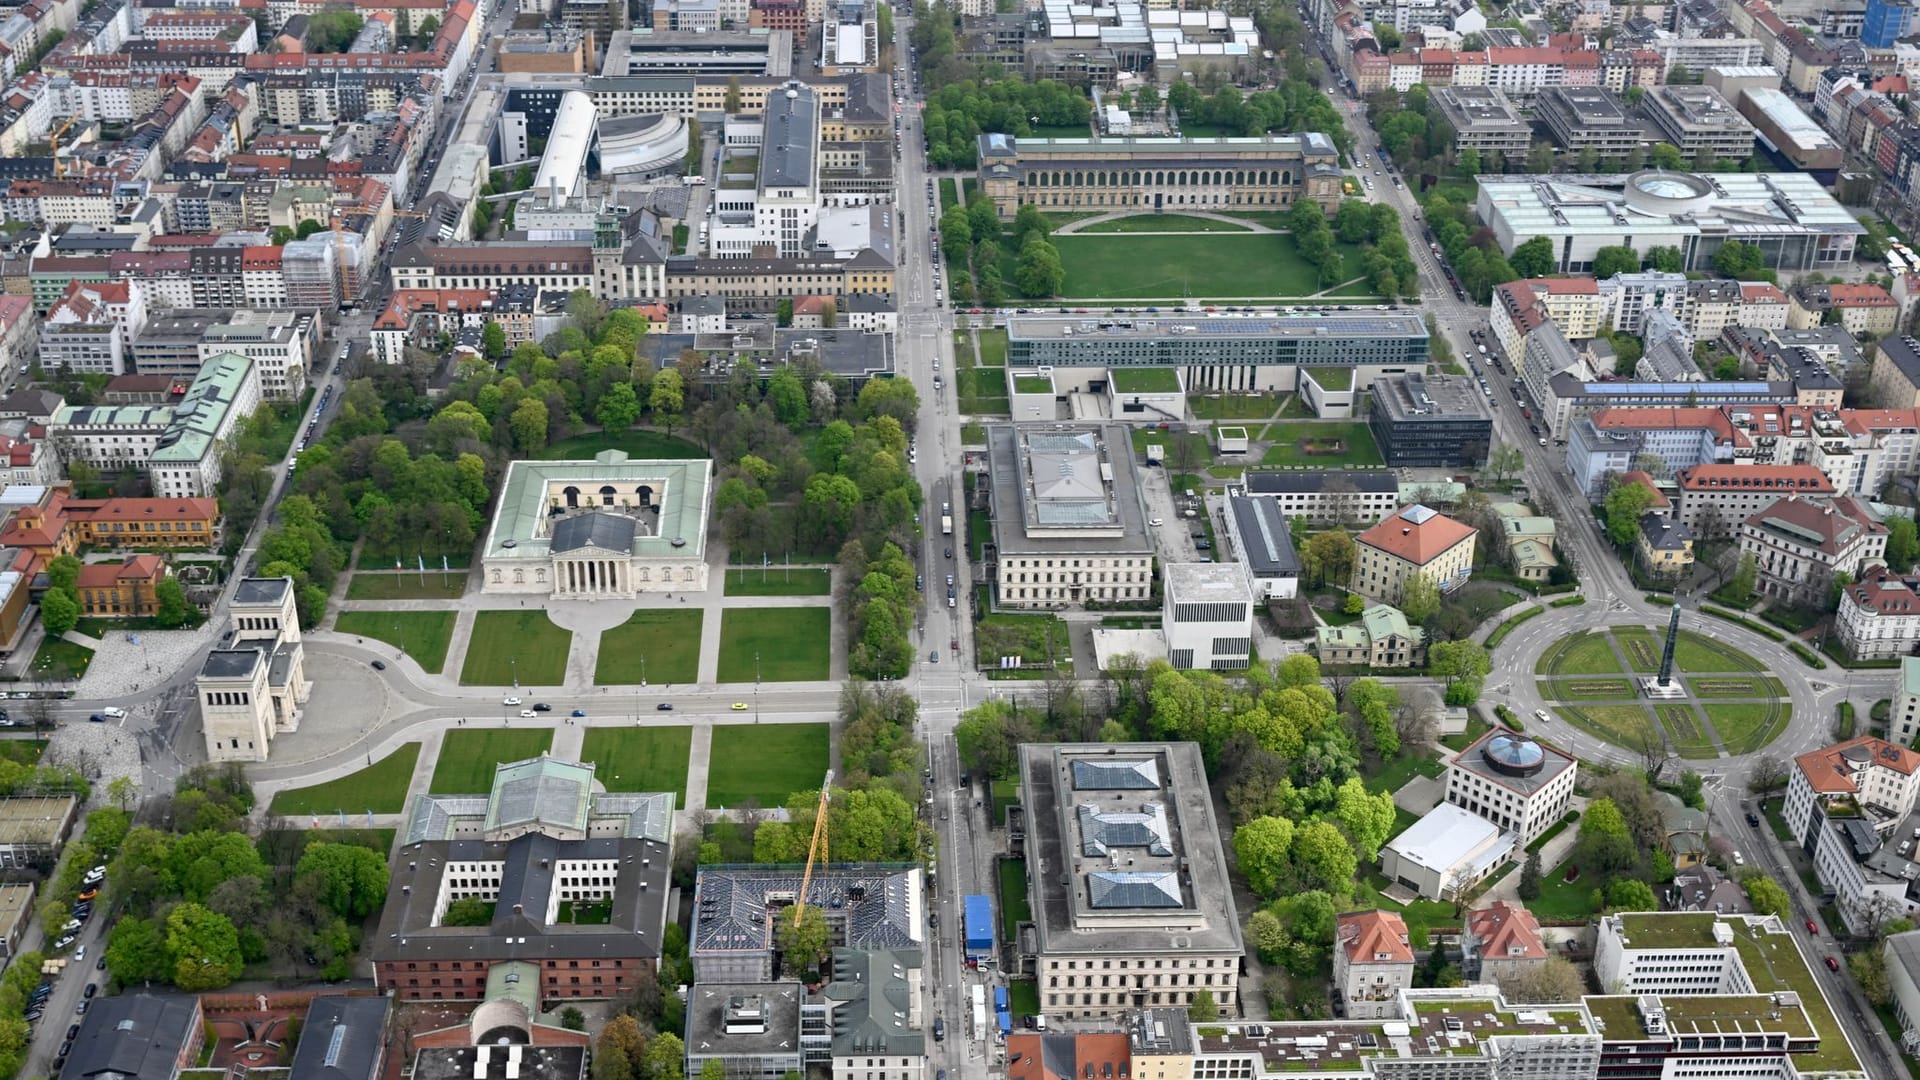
(1372, 963)
(1417, 540)
(1501, 942)
(252, 687)
(1270, 172)
(1068, 522)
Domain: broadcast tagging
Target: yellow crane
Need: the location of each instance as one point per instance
(817, 849)
(59, 166)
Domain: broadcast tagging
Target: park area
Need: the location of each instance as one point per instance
(640, 758)
(422, 635)
(1728, 703)
(1322, 444)
(778, 581)
(1117, 266)
(468, 756)
(652, 646)
(380, 788)
(792, 644)
(387, 585)
(766, 763)
(515, 648)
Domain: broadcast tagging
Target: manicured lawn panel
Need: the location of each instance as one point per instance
(1178, 223)
(1561, 900)
(1173, 267)
(640, 758)
(1322, 444)
(1684, 728)
(58, 658)
(1747, 726)
(1014, 908)
(468, 756)
(1587, 689)
(515, 645)
(424, 635)
(765, 763)
(1590, 654)
(993, 348)
(775, 580)
(655, 646)
(1621, 725)
(380, 788)
(435, 585)
(1225, 406)
(638, 443)
(793, 644)
(1694, 653)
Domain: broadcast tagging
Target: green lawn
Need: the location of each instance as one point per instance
(1642, 650)
(1199, 266)
(1577, 689)
(468, 755)
(1140, 223)
(982, 391)
(1420, 916)
(23, 751)
(1683, 726)
(59, 659)
(424, 635)
(948, 197)
(1322, 444)
(1588, 654)
(640, 758)
(1014, 908)
(1695, 652)
(774, 580)
(1035, 639)
(1621, 725)
(1032, 384)
(511, 648)
(371, 585)
(1023, 997)
(1230, 406)
(1747, 726)
(766, 762)
(993, 348)
(654, 646)
(380, 788)
(1735, 686)
(1561, 900)
(1411, 762)
(793, 644)
(636, 442)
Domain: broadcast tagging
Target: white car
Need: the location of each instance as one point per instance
(528, 714)
(1541, 715)
(509, 701)
(114, 713)
(1155, 522)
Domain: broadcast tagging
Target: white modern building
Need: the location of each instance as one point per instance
(1796, 223)
(1513, 781)
(1851, 808)
(1207, 615)
(1447, 852)
(772, 215)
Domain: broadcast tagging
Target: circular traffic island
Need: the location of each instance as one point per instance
(1721, 702)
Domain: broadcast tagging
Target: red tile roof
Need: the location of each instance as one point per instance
(136, 568)
(1828, 771)
(1104, 1055)
(1373, 937)
(1416, 542)
(1506, 932)
(1804, 479)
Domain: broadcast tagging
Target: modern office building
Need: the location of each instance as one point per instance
(1132, 906)
(1782, 125)
(1794, 221)
(1515, 782)
(1903, 722)
(1068, 522)
(1262, 351)
(1482, 119)
(1578, 117)
(1430, 421)
(1887, 21)
(1263, 544)
(1159, 175)
(1207, 615)
(1700, 122)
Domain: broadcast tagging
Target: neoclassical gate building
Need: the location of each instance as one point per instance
(609, 528)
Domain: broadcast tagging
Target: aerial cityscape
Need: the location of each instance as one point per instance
(887, 540)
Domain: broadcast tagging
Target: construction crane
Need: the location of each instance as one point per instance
(817, 849)
(60, 167)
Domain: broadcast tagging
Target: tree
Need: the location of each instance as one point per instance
(1039, 271)
(170, 602)
(619, 407)
(63, 573)
(1328, 556)
(1421, 598)
(1740, 586)
(493, 338)
(1769, 773)
(59, 612)
(352, 880)
(732, 103)
(123, 792)
(1505, 461)
(1533, 258)
(1029, 220)
(470, 911)
(1366, 817)
(1619, 259)
(1529, 886)
(1459, 660)
(1737, 259)
(137, 952)
(714, 1068)
(1869, 968)
(1625, 504)
(1630, 894)
(665, 1058)
(1201, 1008)
(1324, 858)
(1767, 896)
(573, 1019)
(803, 942)
(1536, 984)
(1903, 544)
(1605, 846)
(204, 946)
(1263, 847)
(529, 423)
(668, 398)
(1665, 259)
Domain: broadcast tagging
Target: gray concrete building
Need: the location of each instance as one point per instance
(1431, 421)
(1483, 119)
(1699, 121)
(1578, 117)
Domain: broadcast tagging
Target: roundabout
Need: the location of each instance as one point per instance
(1725, 704)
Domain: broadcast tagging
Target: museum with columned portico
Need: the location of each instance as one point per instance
(606, 529)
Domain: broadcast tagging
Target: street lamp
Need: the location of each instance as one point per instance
(756, 686)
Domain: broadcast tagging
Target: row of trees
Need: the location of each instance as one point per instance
(957, 115)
